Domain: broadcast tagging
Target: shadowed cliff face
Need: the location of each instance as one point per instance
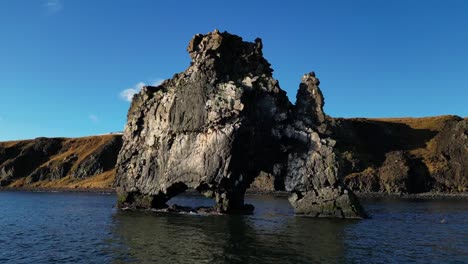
(222, 122)
(398, 155)
(59, 162)
(404, 155)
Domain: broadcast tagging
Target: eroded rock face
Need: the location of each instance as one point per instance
(218, 125)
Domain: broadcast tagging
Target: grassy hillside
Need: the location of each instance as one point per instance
(86, 162)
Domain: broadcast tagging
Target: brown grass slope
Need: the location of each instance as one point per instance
(86, 162)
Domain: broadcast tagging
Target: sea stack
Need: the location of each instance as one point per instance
(222, 122)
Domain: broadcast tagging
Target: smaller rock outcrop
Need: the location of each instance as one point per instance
(312, 174)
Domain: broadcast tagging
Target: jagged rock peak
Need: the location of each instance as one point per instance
(228, 55)
(310, 101)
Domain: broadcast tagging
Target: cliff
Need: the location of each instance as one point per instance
(59, 162)
(404, 155)
(398, 155)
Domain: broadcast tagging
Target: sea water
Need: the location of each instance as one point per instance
(86, 228)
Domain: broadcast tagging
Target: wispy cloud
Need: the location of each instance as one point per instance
(94, 118)
(128, 93)
(53, 6)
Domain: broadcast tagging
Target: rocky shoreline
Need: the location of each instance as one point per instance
(360, 195)
(419, 196)
(53, 190)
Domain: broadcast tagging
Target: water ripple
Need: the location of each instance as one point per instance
(85, 228)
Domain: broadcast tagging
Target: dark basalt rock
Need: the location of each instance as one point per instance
(222, 122)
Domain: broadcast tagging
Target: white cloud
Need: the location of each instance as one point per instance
(128, 94)
(53, 6)
(94, 118)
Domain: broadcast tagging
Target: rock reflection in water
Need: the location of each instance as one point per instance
(271, 235)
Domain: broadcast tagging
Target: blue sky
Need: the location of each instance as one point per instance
(65, 63)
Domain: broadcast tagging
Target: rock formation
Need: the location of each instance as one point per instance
(46, 162)
(222, 122)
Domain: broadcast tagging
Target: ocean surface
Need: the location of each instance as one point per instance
(85, 228)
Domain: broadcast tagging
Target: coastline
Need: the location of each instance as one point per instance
(53, 190)
(409, 196)
(360, 195)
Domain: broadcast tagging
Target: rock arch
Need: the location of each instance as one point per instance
(215, 126)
